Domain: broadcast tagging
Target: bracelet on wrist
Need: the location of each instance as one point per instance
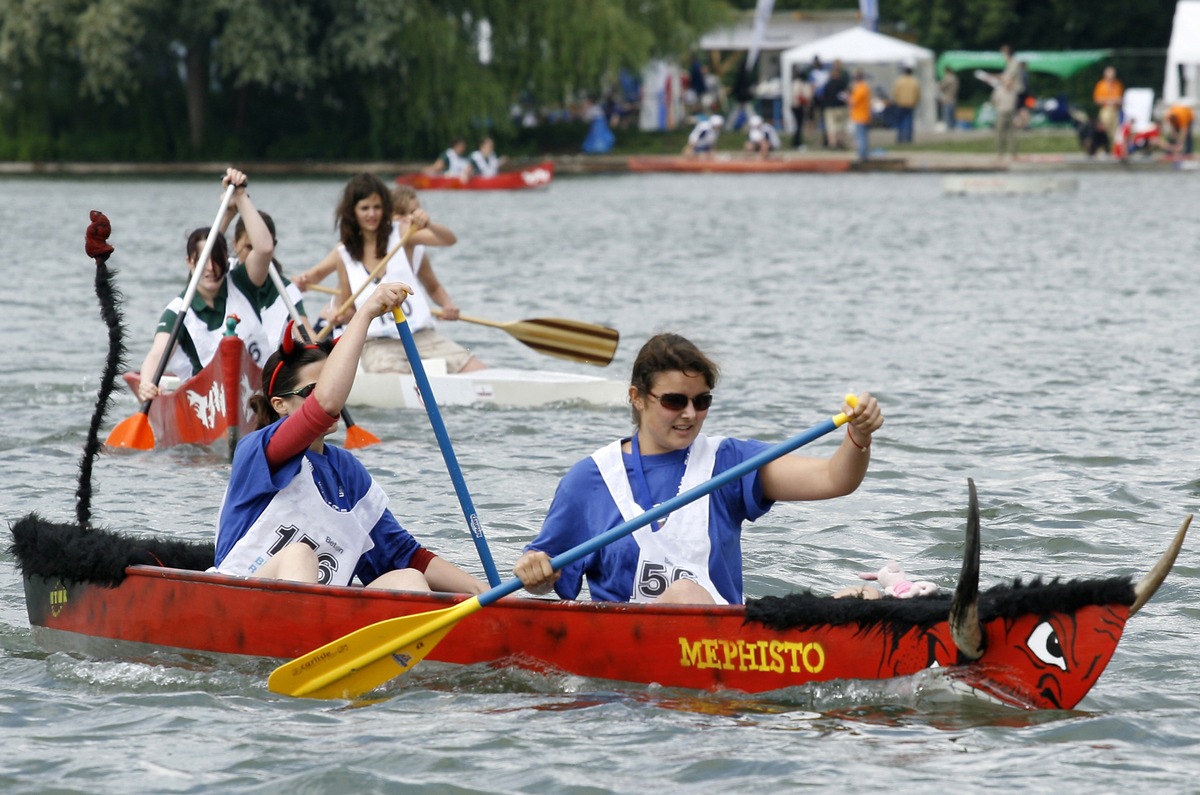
(850, 436)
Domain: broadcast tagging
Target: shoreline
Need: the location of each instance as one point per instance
(923, 161)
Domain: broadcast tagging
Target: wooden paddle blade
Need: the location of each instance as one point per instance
(133, 433)
(367, 658)
(567, 339)
(357, 436)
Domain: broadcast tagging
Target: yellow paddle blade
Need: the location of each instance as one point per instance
(367, 658)
(567, 339)
(133, 433)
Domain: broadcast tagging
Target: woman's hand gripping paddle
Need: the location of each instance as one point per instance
(425, 390)
(363, 660)
(356, 436)
(135, 432)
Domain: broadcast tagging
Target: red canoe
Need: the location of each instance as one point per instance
(1043, 644)
(199, 410)
(729, 164)
(538, 176)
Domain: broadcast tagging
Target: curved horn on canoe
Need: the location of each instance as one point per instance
(1149, 584)
(964, 611)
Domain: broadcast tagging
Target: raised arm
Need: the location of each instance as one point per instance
(794, 477)
(337, 377)
(262, 246)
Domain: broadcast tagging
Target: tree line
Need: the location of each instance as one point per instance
(143, 80)
(308, 79)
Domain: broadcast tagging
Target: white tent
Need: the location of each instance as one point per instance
(1183, 54)
(881, 57)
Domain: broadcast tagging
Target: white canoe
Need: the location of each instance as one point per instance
(1008, 184)
(496, 386)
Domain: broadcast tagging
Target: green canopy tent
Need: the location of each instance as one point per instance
(1063, 63)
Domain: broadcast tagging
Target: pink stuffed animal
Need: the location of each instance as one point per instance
(894, 582)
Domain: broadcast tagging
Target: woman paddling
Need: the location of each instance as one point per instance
(220, 293)
(694, 556)
(368, 232)
(299, 509)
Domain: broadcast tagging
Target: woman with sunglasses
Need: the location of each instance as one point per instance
(299, 509)
(693, 556)
(221, 292)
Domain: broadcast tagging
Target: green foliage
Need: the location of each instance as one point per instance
(374, 79)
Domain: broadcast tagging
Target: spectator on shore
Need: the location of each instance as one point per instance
(948, 96)
(860, 114)
(802, 100)
(1108, 95)
(837, 117)
(1177, 128)
(906, 93)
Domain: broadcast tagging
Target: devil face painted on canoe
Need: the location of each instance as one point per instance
(1046, 661)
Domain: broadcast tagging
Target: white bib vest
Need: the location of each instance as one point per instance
(206, 340)
(681, 546)
(298, 513)
(416, 306)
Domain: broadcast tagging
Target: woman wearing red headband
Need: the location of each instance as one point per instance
(694, 556)
(299, 509)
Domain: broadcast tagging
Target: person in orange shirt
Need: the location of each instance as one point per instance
(860, 113)
(1177, 126)
(1108, 95)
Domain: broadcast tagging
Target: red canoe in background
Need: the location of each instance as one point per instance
(538, 176)
(729, 164)
(211, 405)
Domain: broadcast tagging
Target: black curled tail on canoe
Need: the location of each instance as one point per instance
(97, 247)
(964, 611)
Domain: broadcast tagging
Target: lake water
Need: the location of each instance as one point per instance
(1046, 346)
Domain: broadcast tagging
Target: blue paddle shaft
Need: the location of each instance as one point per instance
(676, 502)
(443, 438)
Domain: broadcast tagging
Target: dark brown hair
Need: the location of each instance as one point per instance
(358, 188)
(220, 251)
(664, 353)
(239, 229)
(281, 373)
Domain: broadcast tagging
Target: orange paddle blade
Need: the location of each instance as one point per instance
(133, 433)
(357, 436)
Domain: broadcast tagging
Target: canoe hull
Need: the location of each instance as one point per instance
(501, 387)
(539, 176)
(703, 648)
(211, 405)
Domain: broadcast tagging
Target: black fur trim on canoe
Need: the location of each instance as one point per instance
(807, 610)
(64, 551)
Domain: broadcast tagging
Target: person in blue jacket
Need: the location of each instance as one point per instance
(694, 555)
(300, 509)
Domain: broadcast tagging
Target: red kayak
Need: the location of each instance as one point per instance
(538, 176)
(732, 164)
(1035, 646)
(211, 405)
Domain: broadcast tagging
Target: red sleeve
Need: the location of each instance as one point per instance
(420, 559)
(297, 432)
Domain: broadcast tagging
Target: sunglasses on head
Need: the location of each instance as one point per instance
(303, 391)
(678, 402)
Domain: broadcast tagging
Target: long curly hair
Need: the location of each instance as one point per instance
(362, 186)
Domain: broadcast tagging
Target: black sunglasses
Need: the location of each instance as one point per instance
(678, 402)
(303, 391)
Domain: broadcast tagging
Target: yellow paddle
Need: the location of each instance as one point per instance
(367, 658)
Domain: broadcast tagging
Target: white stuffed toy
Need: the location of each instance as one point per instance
(893, 581)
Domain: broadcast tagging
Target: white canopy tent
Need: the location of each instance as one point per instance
(881, 57)
(1183, 54)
